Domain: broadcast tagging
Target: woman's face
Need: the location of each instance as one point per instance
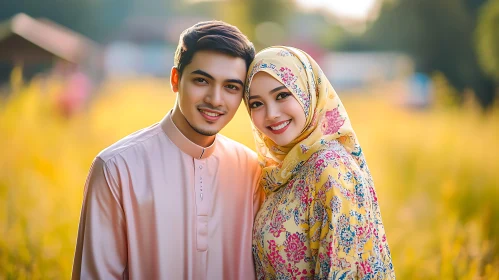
(274, 109)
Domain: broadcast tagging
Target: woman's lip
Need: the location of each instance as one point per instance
(280, 130)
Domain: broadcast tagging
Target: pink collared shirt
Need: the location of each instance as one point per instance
(157, 206)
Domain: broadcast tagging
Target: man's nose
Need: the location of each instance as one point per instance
(215, 96)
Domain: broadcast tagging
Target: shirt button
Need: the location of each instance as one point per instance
(200, 167)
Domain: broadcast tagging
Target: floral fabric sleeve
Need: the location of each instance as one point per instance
(346, 231)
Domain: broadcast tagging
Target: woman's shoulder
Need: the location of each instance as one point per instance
(330, 154)
(330, 166)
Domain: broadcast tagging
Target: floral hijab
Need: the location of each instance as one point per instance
(326, 118)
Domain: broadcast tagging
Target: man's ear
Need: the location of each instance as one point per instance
(174, 79)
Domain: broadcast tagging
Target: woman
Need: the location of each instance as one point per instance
(320, 218)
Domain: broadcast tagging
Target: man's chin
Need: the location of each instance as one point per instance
(205, 131)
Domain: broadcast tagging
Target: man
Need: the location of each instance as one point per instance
(176, 200)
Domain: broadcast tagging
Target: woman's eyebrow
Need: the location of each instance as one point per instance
(271, 92)
(277, 89)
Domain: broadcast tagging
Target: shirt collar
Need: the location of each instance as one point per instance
(182, 142)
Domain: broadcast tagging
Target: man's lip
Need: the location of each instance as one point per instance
(211, 111)
(210, 118)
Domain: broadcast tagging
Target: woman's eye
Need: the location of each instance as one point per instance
(282, 95)
(255, 105)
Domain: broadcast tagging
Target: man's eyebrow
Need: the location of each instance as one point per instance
(201, 72)
(237, 81)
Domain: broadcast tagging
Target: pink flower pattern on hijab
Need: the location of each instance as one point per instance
(332, 122)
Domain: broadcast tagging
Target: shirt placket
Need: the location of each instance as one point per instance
(202, 204)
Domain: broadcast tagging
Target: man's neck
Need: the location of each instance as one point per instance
(186, 129)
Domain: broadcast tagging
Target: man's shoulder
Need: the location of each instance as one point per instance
(139, 137)
(227, 144)
(240, 159)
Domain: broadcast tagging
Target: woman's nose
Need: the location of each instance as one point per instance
(272, 112)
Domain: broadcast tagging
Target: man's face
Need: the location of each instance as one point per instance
(209, 91)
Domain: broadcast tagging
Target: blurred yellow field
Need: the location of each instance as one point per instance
(436, 172)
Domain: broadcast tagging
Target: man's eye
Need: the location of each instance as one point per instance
(282, 95)
(200, 80)
(233, 87)
(255, 105)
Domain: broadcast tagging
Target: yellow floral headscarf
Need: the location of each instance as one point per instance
(326, 118)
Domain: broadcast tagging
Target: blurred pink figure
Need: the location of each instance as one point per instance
(75, 92)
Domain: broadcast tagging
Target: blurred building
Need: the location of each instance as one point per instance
(40, 44)
(145, 46)
(348, 70)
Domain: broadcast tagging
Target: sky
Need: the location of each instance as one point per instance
(350, 9)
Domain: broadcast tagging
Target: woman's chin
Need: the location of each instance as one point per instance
(280, 142)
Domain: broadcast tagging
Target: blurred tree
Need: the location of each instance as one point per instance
(247, 15)
(269, 10)
(439, 36)
(487, 35)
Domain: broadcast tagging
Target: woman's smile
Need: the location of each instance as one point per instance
(279, 127)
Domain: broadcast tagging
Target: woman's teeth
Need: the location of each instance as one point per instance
(280, 126)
